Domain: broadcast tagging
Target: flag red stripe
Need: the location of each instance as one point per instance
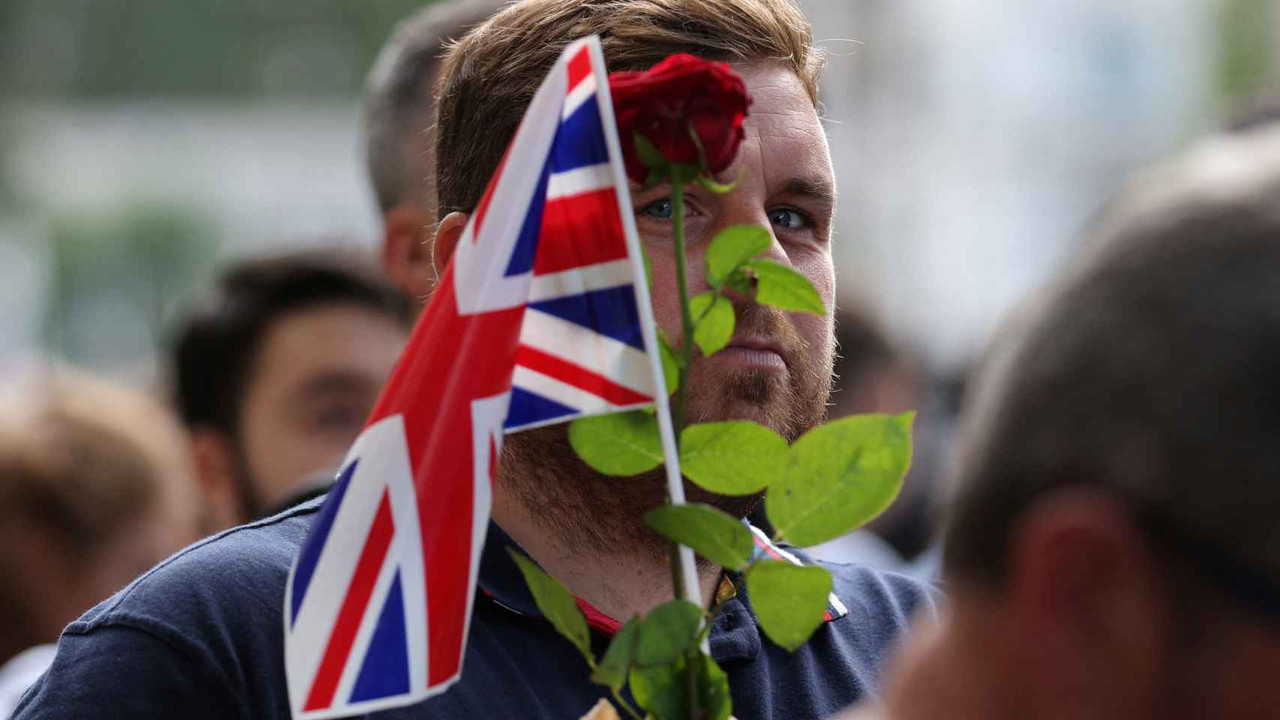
(579, 67)
(353, 607)
(581, 378)
(767, 548)
(580, 230)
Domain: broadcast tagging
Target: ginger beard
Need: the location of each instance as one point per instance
(582, 507)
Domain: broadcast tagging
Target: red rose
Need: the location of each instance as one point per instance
(672, 100)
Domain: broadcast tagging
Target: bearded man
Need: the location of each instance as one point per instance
(202, 632)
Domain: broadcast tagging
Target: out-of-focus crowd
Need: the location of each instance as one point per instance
(269, 379)
(270, 376)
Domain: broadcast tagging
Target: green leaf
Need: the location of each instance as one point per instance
(668, 631)
(619, 444)
(648, 267)
(661, 690)
(782, 287)
(612, 670)
(556, 603)
(720, 188)
(715, 327)
(711, 532)
(732, 247)
(789, 600)
(713, 685)
(737, 457)
(742, 282)
(654, 178)
(670, 363)
(648, 152)
(839, 476)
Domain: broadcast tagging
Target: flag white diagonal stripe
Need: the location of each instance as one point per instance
(407, 544)
(553, 389)
(368, 623)
(579, 180)
(583, 91)
(337, 565)
(580, 280)
(615, 360)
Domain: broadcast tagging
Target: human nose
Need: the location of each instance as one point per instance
(745, 211)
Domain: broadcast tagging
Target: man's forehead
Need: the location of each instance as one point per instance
(783, 127)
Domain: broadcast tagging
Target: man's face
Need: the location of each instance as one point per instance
(777, 368)
(315, 377)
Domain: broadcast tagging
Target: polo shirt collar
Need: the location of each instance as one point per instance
(500, 577)
(735, 635)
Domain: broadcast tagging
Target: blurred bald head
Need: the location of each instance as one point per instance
(1114, 545)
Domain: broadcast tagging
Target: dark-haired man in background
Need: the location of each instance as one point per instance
(1114, 548)
(276, 372)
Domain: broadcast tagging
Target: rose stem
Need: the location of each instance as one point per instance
(678, 409)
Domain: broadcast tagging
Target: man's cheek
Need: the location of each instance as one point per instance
(664, 295)
(818, 332)
(820, 270)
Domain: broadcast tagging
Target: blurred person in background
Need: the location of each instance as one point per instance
(1113, 549)
(95, 488)
(399, 136)
(276, 373)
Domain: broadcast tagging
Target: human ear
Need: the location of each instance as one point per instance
(213, 456)
(1089, 616)
(447, 236)
(406, 252)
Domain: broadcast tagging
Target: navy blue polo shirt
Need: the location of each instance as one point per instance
(202, 635)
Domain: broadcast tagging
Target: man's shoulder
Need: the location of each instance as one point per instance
(238, 574)
(876, 606)
(201, 630)
(870, 595)
(880, 593)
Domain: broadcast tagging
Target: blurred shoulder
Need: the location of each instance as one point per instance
(240, 571)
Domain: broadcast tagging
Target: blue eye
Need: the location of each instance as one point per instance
(788, 219)
(658, 209)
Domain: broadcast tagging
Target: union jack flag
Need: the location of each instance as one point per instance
(542, 315)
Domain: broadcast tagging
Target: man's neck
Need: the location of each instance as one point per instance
(618, 580)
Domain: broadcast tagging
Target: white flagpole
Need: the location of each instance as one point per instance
(675, 482)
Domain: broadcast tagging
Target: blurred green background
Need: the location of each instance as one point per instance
(103, 233)
(142, 142)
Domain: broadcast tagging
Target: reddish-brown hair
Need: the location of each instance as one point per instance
(490, 75)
